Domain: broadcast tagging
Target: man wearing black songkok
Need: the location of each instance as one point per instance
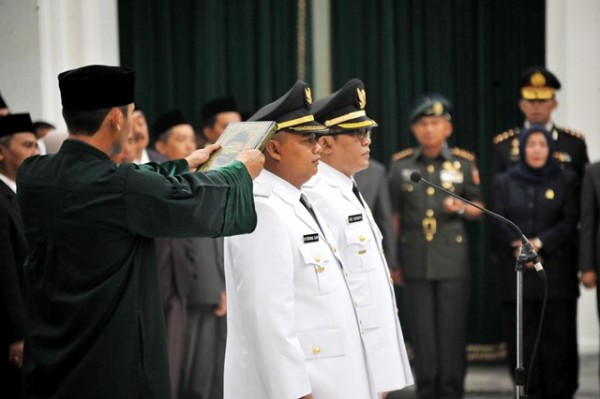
(95, 322)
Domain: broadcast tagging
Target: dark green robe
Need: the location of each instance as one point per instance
(95, 325)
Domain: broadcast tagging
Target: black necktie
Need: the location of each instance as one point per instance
(310, 210)
(355, 191)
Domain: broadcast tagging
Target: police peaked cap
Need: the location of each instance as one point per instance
(433, 104)
(345, 108)
(292, 111)
(15, 123)
(538, 83)
(96, 87)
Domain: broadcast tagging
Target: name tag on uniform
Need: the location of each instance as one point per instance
(355, 218)
(451, 176)
(308, 238)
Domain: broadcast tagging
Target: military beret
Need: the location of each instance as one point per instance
(15, 123)
(96, 87)
(218, 105)
(432, 104)
(538, 83)
(166, 121)
(291, 111)
(344, 109)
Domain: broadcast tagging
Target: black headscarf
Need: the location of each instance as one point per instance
(535, 175)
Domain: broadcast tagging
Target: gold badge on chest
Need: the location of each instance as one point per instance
(549, 194)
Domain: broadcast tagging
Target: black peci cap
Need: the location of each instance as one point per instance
(433, 104)
(344, 109)
(218, 105)
(15, 123)
(291, 111)
(538, 83)
(166, 121)
(96, 87)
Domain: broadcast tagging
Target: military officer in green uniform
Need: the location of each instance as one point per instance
(537, 101)
(433, 254)
(95, 324)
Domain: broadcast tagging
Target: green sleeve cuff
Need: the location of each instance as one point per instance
(240, 213)
(168, 168)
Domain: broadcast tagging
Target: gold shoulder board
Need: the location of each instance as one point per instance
(573, 133)
(464, 154)
(403, 154)
(504, 136)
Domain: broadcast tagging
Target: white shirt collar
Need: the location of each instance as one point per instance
(336, 177)
(144, 158)
(548, 126)
(10, 183)
(285, 189)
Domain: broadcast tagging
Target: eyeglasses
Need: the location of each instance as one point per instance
(358, 134)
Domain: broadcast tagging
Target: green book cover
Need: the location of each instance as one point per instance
(235, 137)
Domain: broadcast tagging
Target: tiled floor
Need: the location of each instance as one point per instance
(494, 381)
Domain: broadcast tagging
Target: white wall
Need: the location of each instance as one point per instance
(41, 38)
(573, 54)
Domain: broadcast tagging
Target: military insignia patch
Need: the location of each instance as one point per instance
(362, 98)
(437, 108)
(538, 80)
(308, 96)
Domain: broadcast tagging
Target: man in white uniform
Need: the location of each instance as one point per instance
(333, 191)
(293, 330)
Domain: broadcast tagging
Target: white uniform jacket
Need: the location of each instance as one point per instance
(360, 242)
(292, 326)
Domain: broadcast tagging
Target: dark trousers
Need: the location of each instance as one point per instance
(437, 313)
(555, 371)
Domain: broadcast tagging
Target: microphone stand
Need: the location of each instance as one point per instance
(526, 255)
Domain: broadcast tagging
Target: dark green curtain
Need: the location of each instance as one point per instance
(188, 52)
(473, 52)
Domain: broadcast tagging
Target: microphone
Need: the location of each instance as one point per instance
(527, 247)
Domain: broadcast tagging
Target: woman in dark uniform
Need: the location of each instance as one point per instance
(543, 200)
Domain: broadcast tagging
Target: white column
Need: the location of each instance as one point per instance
(321, 42)
(74, 33)
(41, 38)
(573, 54)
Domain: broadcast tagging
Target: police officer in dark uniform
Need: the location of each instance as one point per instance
(433, 246)
(537, 101)
(542, 198)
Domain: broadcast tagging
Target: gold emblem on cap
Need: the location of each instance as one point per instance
(362, 98)
(537, 79)
(550, 194)
(437, 108)
(308, 95)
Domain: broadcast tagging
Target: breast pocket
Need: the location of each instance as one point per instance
(318, 270)
(360, 249)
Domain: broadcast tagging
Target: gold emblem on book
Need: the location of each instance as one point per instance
(362, 98)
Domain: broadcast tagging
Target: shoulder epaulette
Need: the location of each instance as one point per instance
(403, 154)
(505, 135)
(459, 152)
(573, 133)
